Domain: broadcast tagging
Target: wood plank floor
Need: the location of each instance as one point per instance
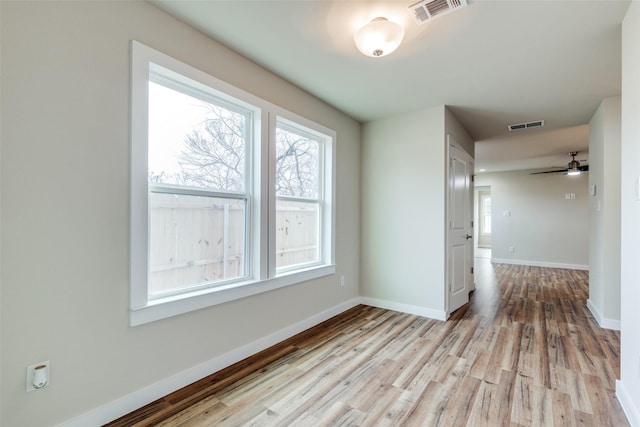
(524, 352)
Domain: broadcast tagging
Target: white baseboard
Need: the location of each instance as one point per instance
(405, 308)
(541, 264)
(630, 410)
(138, 399)
(602, 321)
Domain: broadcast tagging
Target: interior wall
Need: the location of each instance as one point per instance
(604, 213)
(454, 128)
(65, 179)
(628, 389)
(531, 215)
(403, 208)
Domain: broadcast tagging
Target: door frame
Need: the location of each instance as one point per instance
(451, 142)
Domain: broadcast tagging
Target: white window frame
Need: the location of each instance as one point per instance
(324, 211)
(260, 257)
(174, 81)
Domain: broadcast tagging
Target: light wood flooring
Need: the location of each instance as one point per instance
(524, 352)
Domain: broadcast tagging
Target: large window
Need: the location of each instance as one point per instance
(230, 195)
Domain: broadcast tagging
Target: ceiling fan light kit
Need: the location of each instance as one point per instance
(574, 165)
(379, 37)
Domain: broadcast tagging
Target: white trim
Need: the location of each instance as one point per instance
(271, 196)
(541, 264)
(603, 322)
(138, 399)
(462, 153)
(405, 308)
(139, 189)
(630, 409)
(173, 306)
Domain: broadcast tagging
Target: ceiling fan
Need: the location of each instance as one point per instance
(573, 167)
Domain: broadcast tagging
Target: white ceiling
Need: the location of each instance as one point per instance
(493, 63)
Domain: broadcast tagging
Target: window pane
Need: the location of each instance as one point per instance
(486, 225)
(297, 233)
(195, 143)
(297, 165)
(195, 240)
(486, 205)
(486, 215)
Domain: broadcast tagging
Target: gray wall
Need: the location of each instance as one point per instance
(65, 260)
(604, 213)
(628, 389)
(453, 127)
(530, 214)
(403, 159)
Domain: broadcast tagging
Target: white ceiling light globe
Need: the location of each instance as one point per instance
(379, 37)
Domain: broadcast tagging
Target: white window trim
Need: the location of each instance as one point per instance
(326, 188)
(261, 234)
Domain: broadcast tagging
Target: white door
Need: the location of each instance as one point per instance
(460, 233)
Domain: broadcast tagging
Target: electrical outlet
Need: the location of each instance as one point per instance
(511, 249)
(37, 376)
(341, 280)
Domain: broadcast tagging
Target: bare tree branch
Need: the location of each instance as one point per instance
(214, 156)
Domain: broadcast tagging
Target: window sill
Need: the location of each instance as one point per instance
(175, 305)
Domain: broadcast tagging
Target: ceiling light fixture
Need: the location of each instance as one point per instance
(573, 168)
(379, 37)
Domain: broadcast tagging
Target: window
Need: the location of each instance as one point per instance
(485, 206)
(230, 195)
(198, 189)
(298, 196)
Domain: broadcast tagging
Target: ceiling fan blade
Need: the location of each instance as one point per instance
(584, 168)
(553, 171)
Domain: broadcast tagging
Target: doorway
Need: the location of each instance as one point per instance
(460, 230)
(483, 219)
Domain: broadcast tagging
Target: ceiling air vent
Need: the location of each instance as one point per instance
(536, 124)
(426, 10)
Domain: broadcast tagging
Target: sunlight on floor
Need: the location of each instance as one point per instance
(482, 253)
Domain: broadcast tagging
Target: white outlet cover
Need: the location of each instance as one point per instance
(30, 372)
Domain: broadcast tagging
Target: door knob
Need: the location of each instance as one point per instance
(469, 236)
